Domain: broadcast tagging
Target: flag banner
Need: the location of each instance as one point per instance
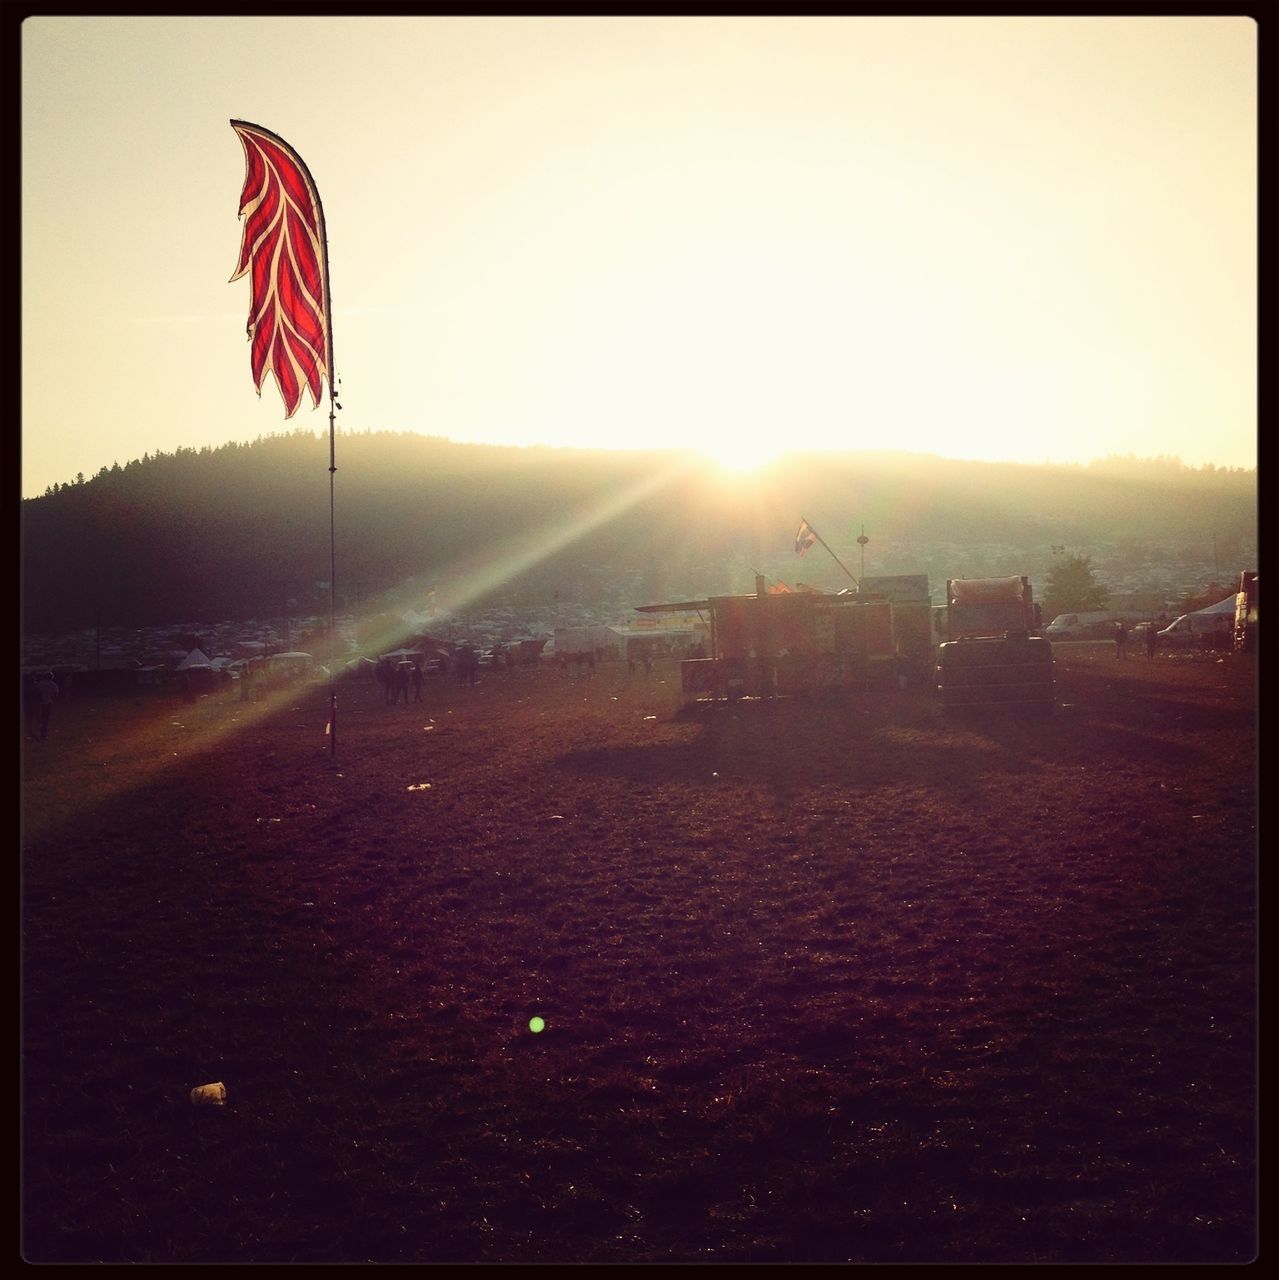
(284, 254)
(804, 537)
(779, 589)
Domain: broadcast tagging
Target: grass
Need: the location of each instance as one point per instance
(821, 982)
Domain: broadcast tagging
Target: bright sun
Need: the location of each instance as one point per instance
(740, 455)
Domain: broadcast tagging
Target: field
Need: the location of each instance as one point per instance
(820, 981)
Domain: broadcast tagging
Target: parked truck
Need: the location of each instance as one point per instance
(1246, 613)
(991, 657)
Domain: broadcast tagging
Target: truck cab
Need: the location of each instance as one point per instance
(992, 659)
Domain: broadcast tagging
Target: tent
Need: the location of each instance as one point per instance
(195, 661)
(1212, 627)
(1226, 606)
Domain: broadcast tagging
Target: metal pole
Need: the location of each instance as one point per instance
(333, 585)
(333, 572)
(833, 556)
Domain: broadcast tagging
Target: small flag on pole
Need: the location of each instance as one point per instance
(284, 254)
(804, 537)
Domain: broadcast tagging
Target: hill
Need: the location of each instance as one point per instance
(230, 532)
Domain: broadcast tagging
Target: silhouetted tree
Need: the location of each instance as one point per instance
(1073, 588)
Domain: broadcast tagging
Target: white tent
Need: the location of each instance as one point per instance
(195, 660)
(1226, 606)
(1213, 625)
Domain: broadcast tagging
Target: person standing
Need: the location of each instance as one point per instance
(1152, 640)
(31, 704)
(417, 684)
(48, 688)
(1121, 640)
(472, 665)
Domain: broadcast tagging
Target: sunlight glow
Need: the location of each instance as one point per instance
(462, 583)
(741, 454)
(512, 559)
(196, 735)
(825, 233)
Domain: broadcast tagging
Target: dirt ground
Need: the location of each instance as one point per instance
(820, 981)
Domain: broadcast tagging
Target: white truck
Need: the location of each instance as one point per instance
(1097, 624)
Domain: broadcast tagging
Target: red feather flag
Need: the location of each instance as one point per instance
(285, 254)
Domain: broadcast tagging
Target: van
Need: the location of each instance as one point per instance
(1097, 625)
(292, 666)
(1188, 631)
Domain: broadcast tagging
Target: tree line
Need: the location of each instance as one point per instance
(240, 529)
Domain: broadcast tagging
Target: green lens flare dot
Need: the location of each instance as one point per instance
(536, 1024)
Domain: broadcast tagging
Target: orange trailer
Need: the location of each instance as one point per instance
(767, 644)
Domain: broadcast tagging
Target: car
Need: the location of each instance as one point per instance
(1200, 630)
(1097, 625)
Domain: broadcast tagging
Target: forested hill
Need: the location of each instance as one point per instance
(225, 532)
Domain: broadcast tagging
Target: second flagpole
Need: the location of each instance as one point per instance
(832, 555)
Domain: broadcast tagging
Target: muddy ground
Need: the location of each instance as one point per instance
(820, 981)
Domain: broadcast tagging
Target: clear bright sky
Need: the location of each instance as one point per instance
(1028, 239)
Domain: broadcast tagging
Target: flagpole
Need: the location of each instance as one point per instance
(833, 556)
(333, 587)
(277, 180)
(333, 561)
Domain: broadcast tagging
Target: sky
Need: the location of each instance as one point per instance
(1015, 239)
